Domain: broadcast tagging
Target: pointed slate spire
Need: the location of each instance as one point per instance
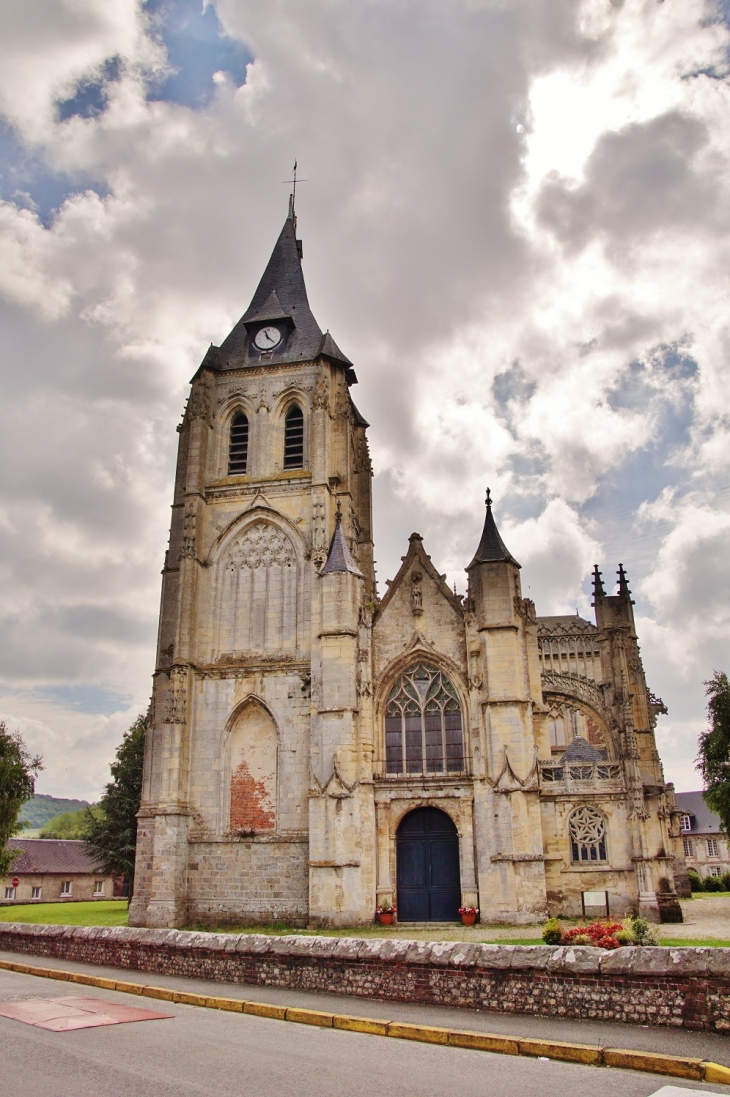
(340, 557)
(281, 296)
(492, 549)
(272, 309)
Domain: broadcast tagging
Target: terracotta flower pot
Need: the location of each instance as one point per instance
(468, 919)
(386, 918)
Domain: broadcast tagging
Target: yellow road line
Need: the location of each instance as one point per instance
(653, 1062)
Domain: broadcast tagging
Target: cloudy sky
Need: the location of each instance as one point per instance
(515, 223)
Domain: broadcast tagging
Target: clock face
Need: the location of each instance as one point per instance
(267, 338)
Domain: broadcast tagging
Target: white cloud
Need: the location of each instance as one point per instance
(516, 301)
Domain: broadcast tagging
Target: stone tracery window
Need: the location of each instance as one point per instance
(587, 829)
(423, 724)
(566, 722)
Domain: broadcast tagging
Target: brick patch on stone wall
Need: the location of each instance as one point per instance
(683, 987)
(251, 808)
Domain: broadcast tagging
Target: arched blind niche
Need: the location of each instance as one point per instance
(294, 438)
(423, 724)
(258, 592)
(238, 448)
(253, 753)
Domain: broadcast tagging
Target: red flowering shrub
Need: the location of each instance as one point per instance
(602, 934)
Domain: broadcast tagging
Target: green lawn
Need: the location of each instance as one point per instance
(103, 912)
(114, 913)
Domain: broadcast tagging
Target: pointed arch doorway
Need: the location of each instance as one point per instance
(427, 859)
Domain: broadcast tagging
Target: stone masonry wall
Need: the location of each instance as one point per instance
(683, 987)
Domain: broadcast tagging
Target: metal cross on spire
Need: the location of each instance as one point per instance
(293, 195)
(488, 500)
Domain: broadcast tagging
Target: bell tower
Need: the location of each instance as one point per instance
(257, 639)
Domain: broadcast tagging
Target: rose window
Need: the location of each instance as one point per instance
(587, 835)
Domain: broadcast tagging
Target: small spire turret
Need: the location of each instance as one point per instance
(492, 549)
(598, 591)
(339, 557)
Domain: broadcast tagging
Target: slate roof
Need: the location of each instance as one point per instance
(340, 557)
(45, 855)
(703, 819)
(281, 295)
(580, 750)
(564, 622)
(492, 549)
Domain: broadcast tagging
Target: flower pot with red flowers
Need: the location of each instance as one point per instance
(385, 913)
(468, 915)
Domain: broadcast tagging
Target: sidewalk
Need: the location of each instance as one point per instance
(668, 1041)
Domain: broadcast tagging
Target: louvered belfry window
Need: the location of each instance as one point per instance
(294, 438)
(423, 729)
(238, 452)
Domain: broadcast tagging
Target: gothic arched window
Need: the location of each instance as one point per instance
(238, 449)
(294, 438)
(587, 829)
(423, 726)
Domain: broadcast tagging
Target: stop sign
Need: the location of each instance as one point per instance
(16, 881)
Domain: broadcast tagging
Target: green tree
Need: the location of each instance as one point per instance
(18, 771)
(112, 837)
(72, 824)
(713, 760)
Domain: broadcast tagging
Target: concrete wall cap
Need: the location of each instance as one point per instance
(131, 935)
(689, 961)
(372, 949)
(618, 962)
(394, 951)
(441, 952)
(23, 928)
(579, 959)
(653, 961)
(254, 943)
(420, 952)
(323, 946)
(281, 946)
(348, 948)
(210, 942)
(301, 946)
(53, 931)
(495, 956)
(185, 938)
(534, 957)
(464, 955)
(718, 962)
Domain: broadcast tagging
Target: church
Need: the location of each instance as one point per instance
(315, 750)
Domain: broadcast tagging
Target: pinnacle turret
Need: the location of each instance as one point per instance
(623, 585)
(340, 557)
(598, 591)
(492, 549)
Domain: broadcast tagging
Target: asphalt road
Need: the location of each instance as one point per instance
(206, 1053)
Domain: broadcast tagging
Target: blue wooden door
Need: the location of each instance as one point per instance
(429, 887)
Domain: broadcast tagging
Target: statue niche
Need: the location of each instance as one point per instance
(258, 592)
(253, 755)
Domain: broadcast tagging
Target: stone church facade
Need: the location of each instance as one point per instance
(315, 750)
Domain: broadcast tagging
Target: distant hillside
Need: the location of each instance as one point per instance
(41, 809)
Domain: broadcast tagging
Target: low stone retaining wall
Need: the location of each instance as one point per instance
(685, 987)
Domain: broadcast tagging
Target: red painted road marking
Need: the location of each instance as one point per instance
(65, 1014)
